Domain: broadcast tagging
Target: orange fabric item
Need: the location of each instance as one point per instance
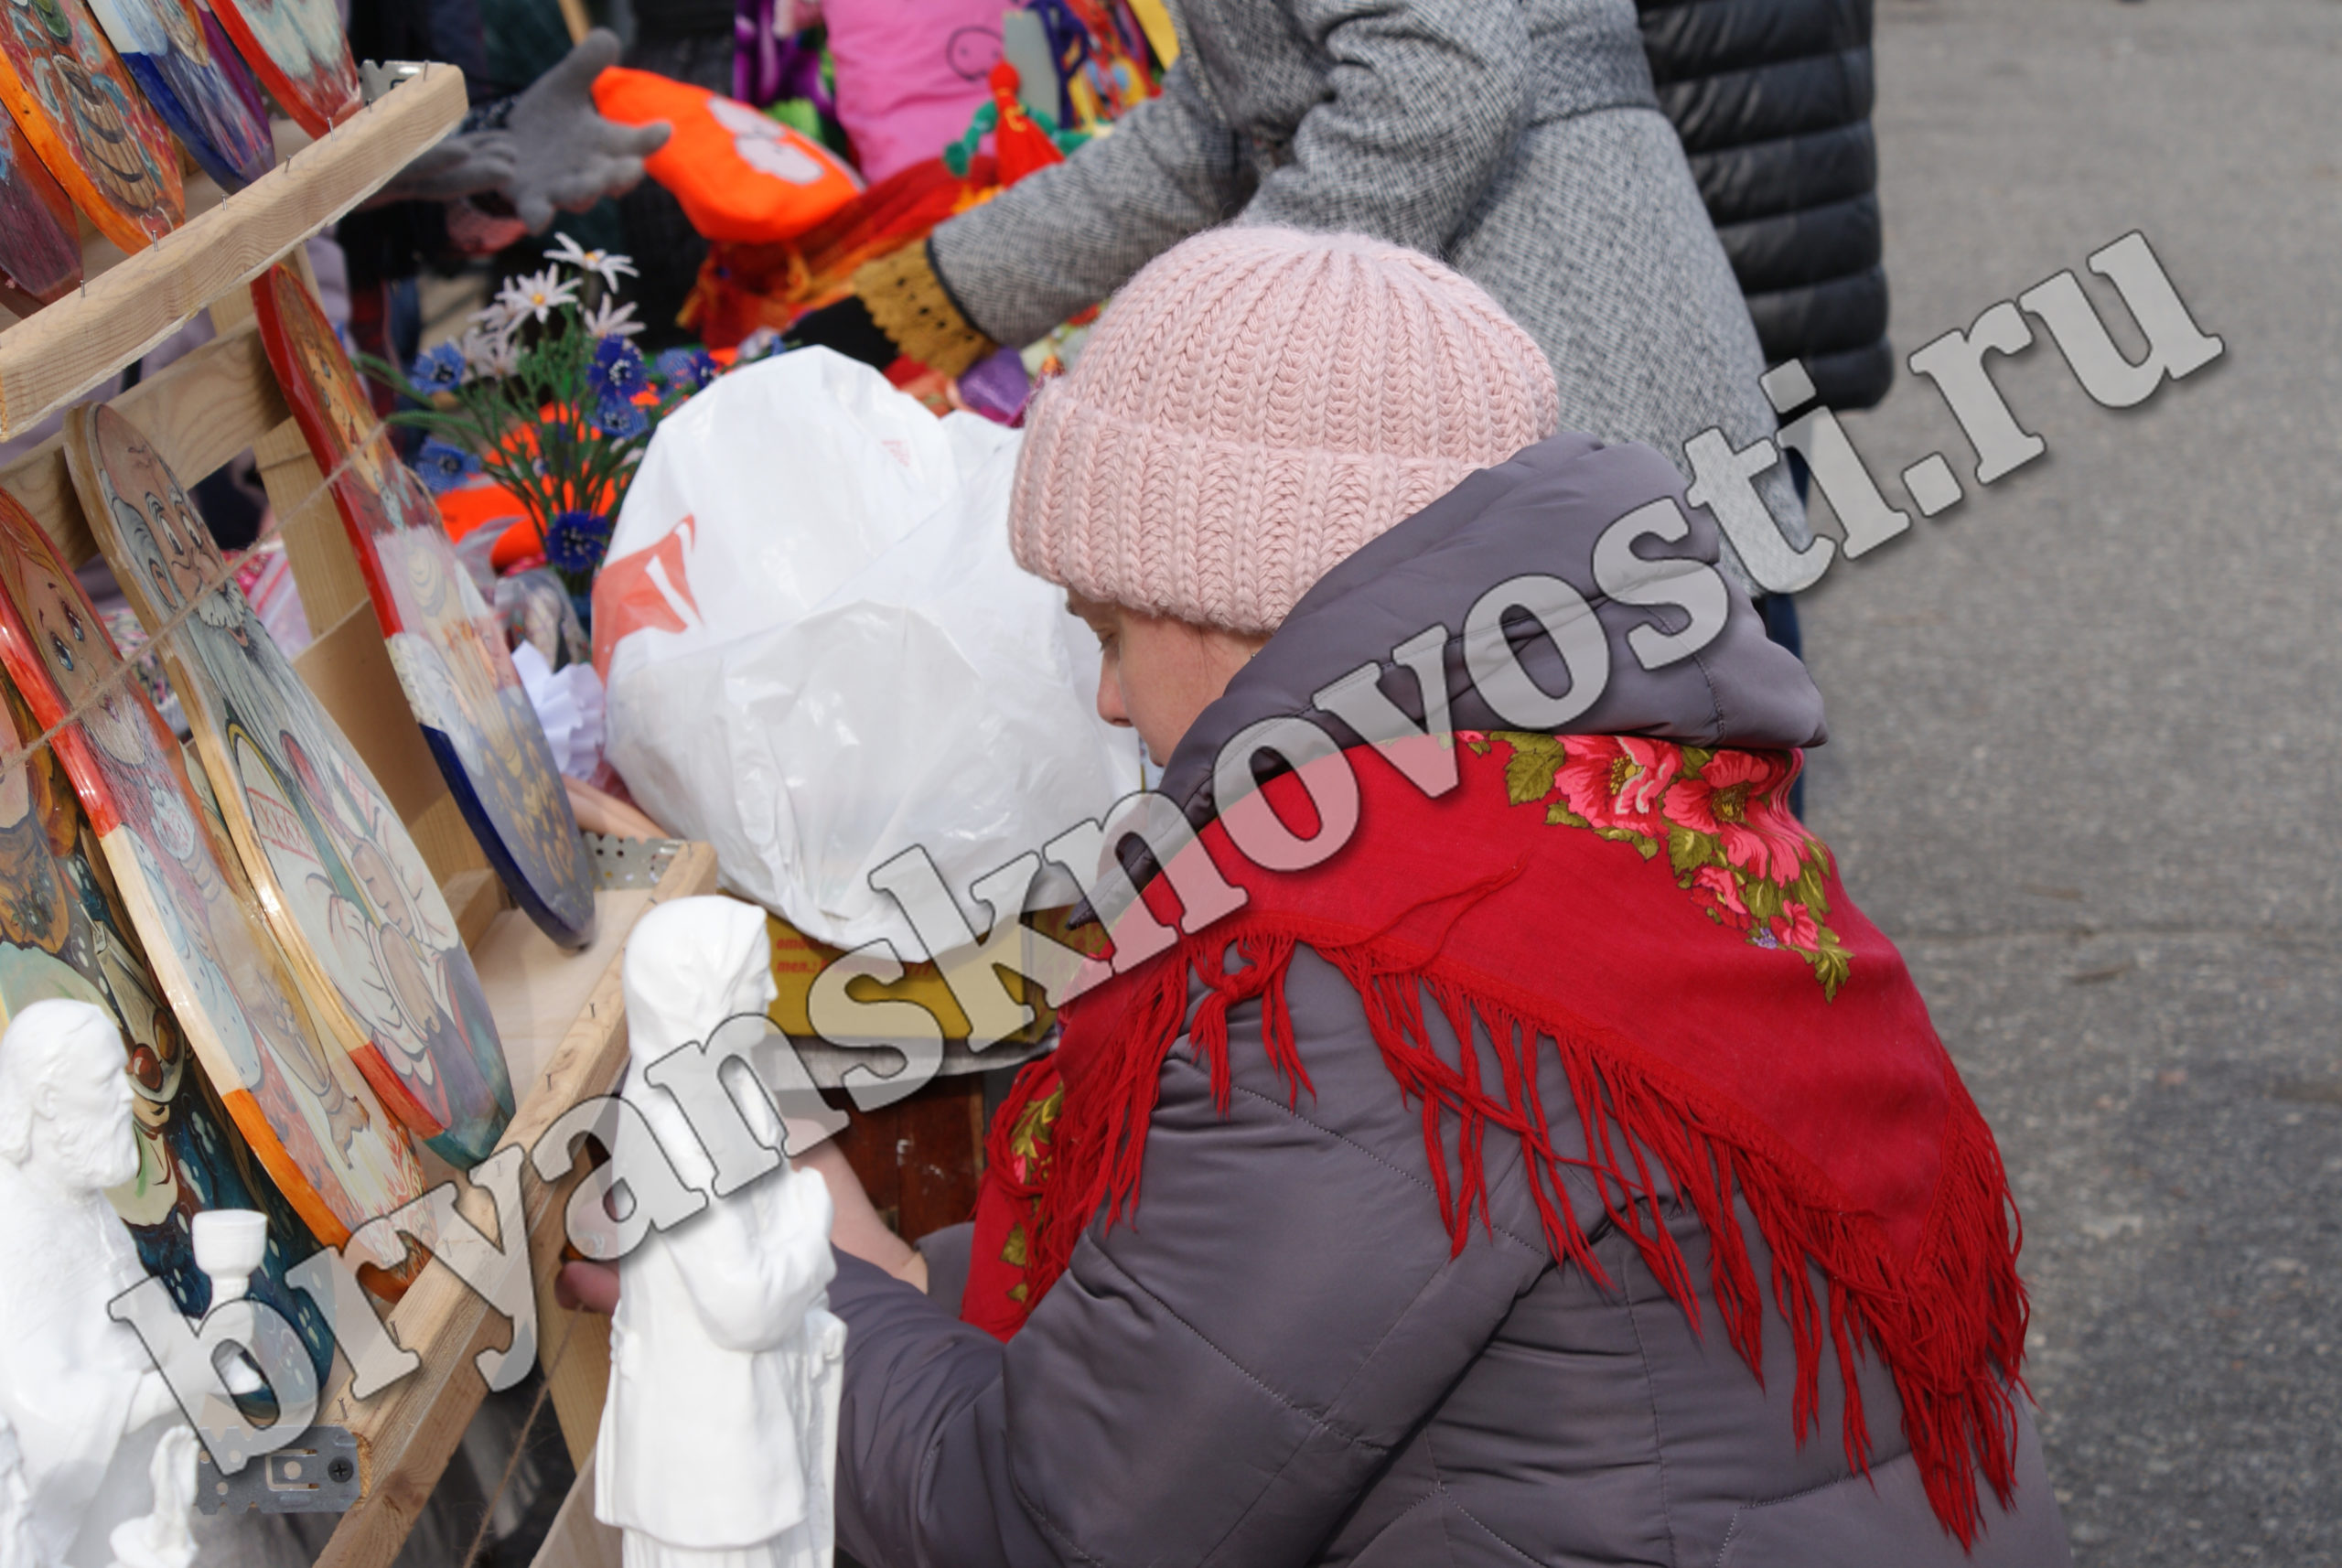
(740, 175)
(478, 505)
(516, 546)
(744, 287)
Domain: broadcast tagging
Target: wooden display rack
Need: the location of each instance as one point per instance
(560, 1016)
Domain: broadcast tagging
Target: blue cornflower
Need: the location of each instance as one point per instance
(616, 372)
(620, 419)
(686, 369)
(444, 467)
(577, 542)
(439, 370)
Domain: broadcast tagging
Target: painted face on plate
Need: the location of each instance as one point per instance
(68, 638)
(382, 885)
(351, 416)
(116, 156)
(158, 520)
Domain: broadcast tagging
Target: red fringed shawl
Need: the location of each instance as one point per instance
(1726, 1018)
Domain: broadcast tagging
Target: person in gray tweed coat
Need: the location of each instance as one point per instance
(1520, 141)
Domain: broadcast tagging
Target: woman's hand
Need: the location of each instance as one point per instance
(856, 1229)
(598, 813)
(588, 1287)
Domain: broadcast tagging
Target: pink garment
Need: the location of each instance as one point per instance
(1256, 405)
(910, 74)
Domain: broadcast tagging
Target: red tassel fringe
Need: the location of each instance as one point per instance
(1949, 1323)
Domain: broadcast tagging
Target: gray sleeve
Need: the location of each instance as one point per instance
(946, 1252)
(1059, 241)
(1427, 96)
(1216, 1381)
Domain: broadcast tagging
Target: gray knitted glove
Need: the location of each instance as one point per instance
(564, 153)
(464, 164)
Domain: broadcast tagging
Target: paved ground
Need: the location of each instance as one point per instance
(2089, 733)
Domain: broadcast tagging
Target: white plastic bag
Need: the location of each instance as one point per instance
(819, 653)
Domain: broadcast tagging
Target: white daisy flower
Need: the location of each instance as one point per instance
(606, 264)
(609, 319)
(538, 295)
(489, 353)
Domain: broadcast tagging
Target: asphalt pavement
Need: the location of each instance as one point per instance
(2087, 735)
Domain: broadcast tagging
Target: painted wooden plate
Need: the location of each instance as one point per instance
(202, 95)
(345, 889)
(297, 49)
(69, 93)
(65, 935)
(315, 1125)
(40, 244)
(444, 641)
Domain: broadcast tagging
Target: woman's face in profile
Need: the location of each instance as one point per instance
(1157, 675)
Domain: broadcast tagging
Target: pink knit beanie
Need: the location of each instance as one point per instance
(1253, 407)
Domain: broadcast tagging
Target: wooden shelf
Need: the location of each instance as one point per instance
(61, 352)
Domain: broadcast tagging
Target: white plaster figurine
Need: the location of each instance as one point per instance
(87, 1427)
(719, 1442)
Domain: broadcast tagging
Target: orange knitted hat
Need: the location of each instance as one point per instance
(1253, 407)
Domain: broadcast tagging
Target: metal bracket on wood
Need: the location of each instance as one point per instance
(630, 863)
(315, 1473)
(376, 78)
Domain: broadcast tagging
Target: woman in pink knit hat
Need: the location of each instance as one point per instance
(1501, 1139)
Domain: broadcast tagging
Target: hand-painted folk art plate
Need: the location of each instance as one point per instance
(444, 641)
(314, 1124)
(40, 244)
(344, 887)
(198, 93)
(77, 107)
(65, 935)
(297, 50)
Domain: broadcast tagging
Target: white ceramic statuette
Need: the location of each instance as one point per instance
(89, 1436)
(719, 1441)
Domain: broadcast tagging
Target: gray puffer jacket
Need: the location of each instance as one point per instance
(1518, 141)
(1279, 1359)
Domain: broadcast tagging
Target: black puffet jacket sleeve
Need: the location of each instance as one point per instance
(1772, 99)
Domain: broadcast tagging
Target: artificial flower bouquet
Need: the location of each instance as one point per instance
(544, 394)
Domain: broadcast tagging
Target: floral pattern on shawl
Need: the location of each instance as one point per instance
(1722, 817)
